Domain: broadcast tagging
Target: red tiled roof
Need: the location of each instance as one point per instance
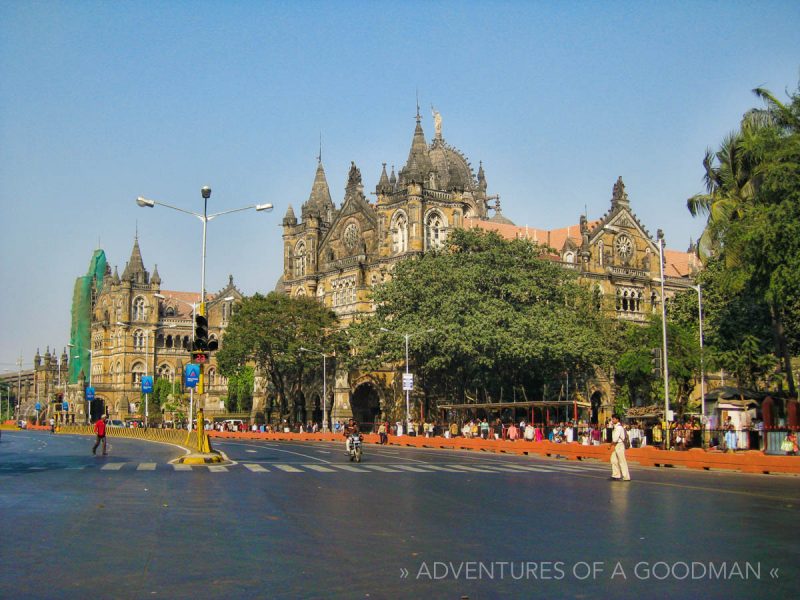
(554, 238)
(678, 264)
(185, 300)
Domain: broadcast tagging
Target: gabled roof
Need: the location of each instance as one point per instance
(680, 264)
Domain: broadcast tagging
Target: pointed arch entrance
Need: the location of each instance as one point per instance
(366, 403)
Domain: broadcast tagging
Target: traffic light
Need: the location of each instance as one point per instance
(200, 332)
(655, 353)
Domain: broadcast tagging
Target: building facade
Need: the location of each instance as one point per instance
(136, 328)
(338, 254)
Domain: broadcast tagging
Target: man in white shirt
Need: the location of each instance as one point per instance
(619, 466)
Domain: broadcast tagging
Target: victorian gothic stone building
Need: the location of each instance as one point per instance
(338, 254)
(130, 327)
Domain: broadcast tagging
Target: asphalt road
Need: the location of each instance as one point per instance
(297, 520)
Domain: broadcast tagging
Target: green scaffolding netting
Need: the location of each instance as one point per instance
(80, 334)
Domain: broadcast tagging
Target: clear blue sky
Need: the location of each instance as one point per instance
(103, 101)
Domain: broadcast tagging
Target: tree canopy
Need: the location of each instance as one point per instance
(486, 316)
(268, 333)
(753, 230)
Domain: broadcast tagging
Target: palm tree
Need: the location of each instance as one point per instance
(729, 188)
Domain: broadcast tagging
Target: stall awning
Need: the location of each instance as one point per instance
(527, 405)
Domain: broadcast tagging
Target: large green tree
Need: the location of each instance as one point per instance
(759, 242)
(488, 317)
(268, 333)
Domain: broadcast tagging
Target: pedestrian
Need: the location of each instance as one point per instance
(100, 430)
(619, 466)
(52, 425)
(382, 433)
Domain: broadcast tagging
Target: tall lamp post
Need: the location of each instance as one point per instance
(324, 386)
(205, 192)
(407, 336)
(699, 289)
(91, 366)
(660, 236)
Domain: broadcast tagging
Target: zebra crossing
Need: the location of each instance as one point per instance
(473, 468)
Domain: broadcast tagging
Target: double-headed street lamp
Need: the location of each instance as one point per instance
(205, 192)
(204, 218)
(407, 385)
(324, 385)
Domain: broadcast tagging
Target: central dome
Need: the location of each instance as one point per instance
(452, 169)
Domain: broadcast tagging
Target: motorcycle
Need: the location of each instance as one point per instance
(355, 447)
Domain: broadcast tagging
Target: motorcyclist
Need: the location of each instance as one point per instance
(350, 429)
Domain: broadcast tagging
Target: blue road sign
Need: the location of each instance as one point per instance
(147, 384)
(65, 406)
(90, 393)
(192, 375)
(38, 406)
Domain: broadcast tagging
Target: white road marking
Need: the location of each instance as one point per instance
(112, 467)
(381, 468)
(146, 467)
(438, 468)
(255, 468)
(350, 468)
(217, 468)
(319, 468)
(410, 468)
(182, 467)
(288, 468)
(468, 468)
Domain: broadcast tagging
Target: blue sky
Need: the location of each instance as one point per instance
(101, 102)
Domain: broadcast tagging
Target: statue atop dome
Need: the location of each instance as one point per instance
(437, 122)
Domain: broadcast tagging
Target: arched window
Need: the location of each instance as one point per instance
(165, 372)
(434, 231)
(169, 312)
(211, 376)
(138, 339)
(137, 371)
(138, 309)
(300, 259)
(300, 293)
(399, 233)
(569, 257)
(629, 300)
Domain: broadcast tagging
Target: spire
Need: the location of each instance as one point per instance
(156, 278)
(320, 195)
(481, 177)
(115, 278)
(289, 219)
(418, 164)
(135, 270)
(393, 177)
(383, 184)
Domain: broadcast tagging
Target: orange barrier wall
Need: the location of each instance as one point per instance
(747, 461)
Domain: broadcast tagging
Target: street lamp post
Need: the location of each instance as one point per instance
(699, 289)
(407, 336)
(89, 402)
(205, 192)
(324, 386)
(660, 236)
